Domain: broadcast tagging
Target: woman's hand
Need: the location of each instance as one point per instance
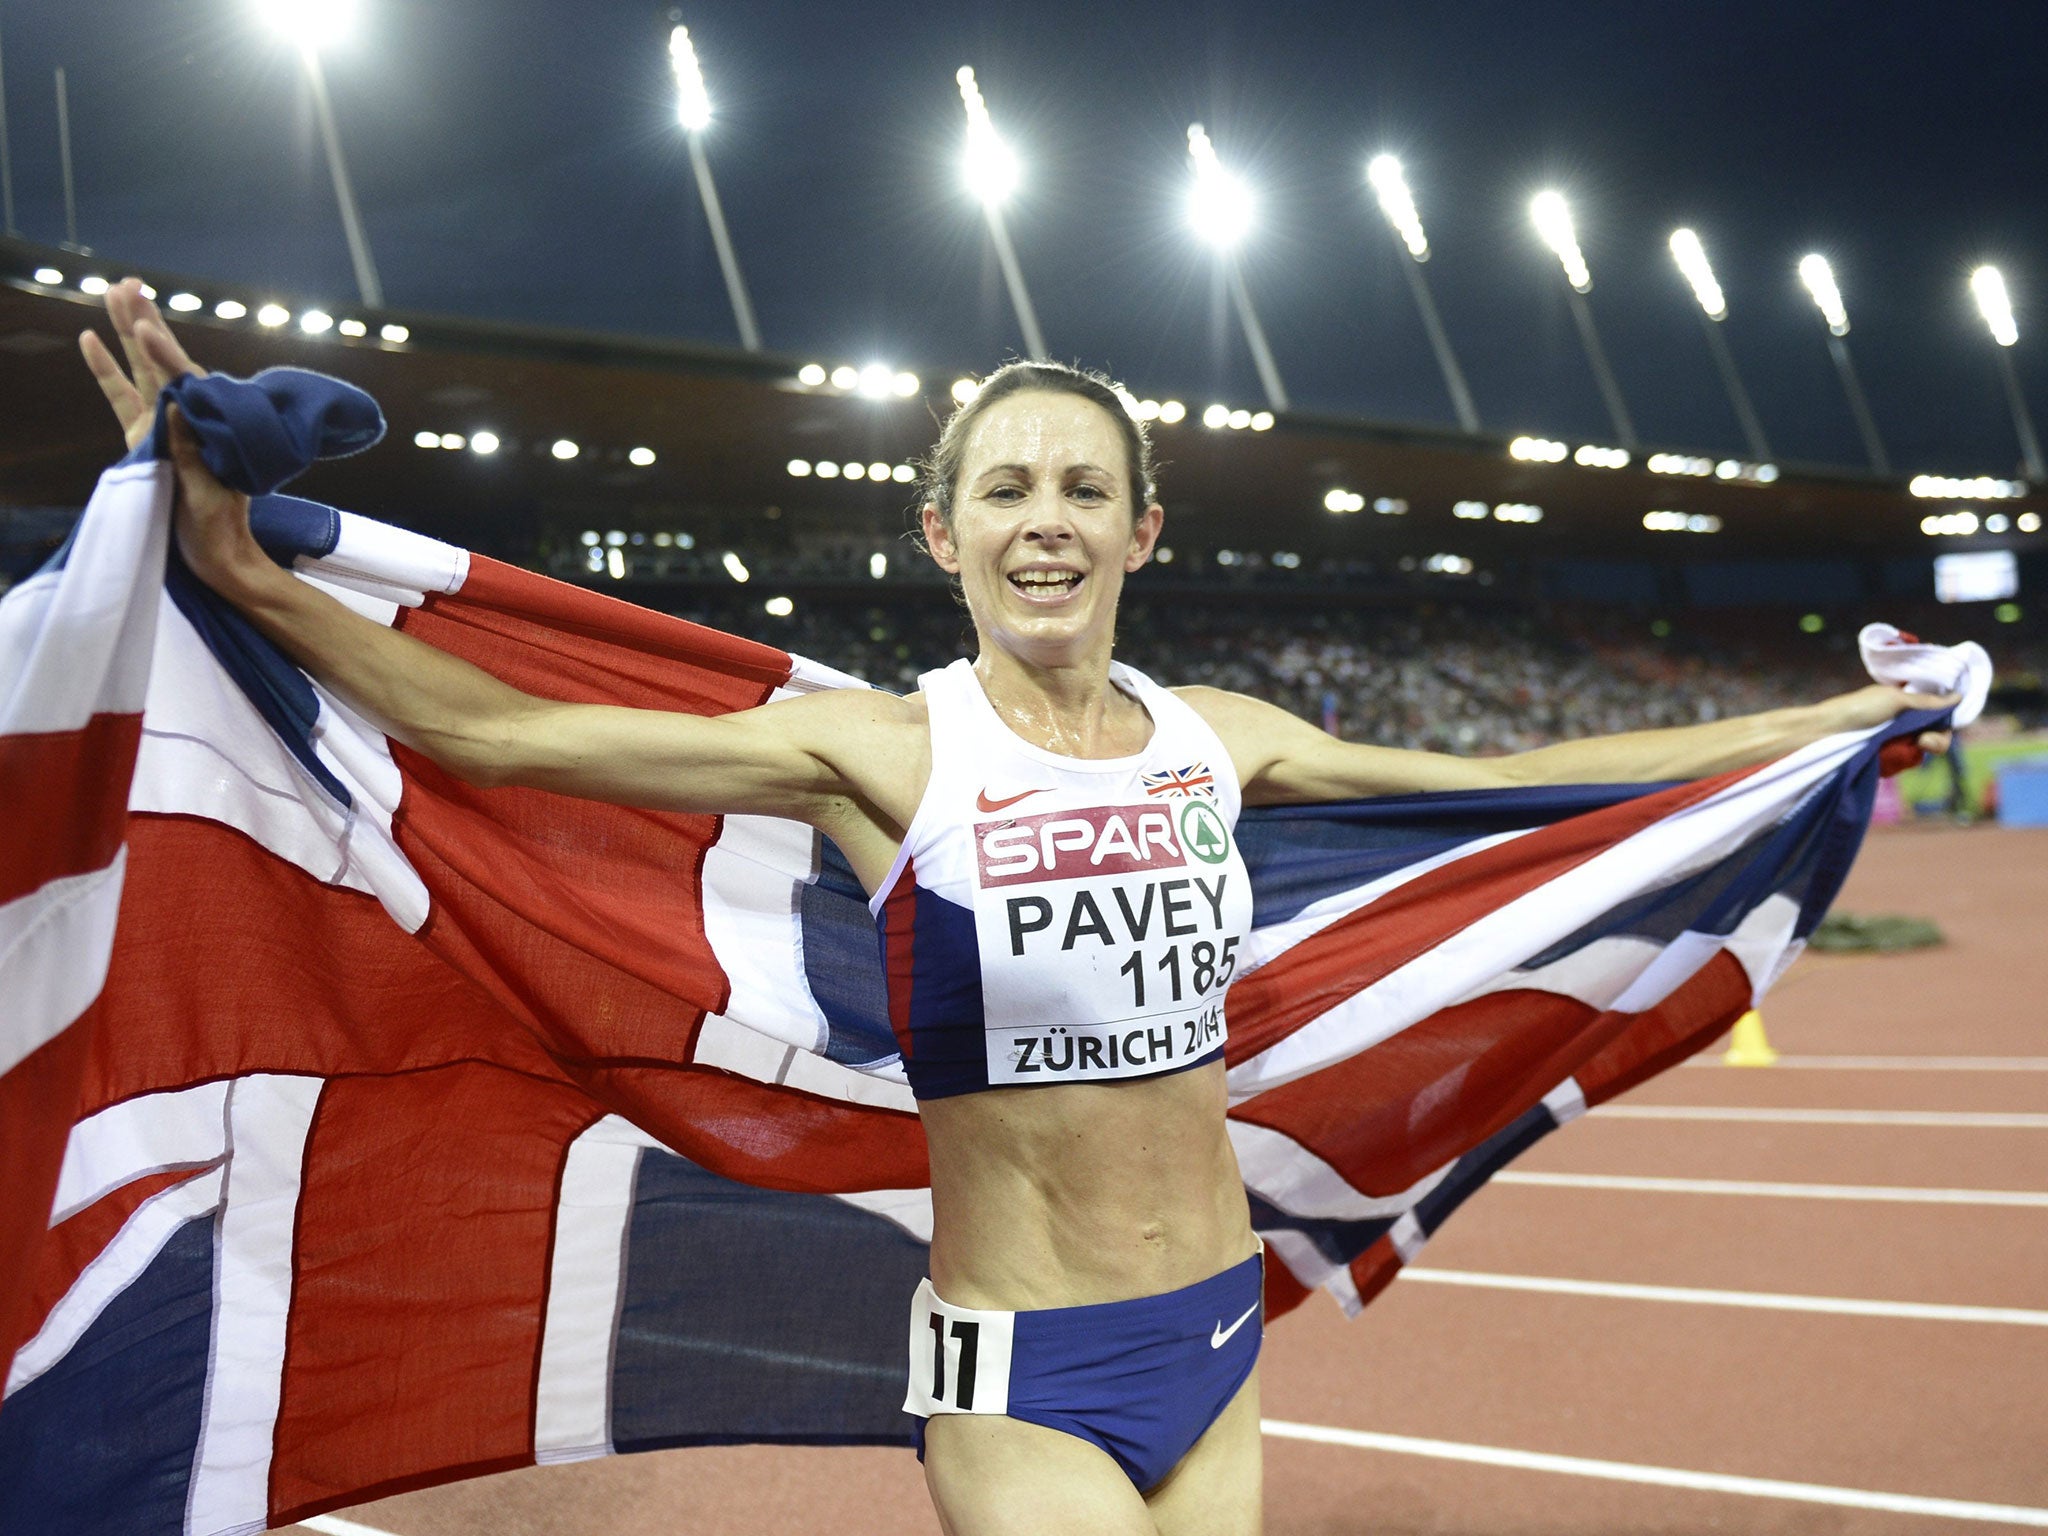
(154, 359)
(212, 521)
(1879, 702)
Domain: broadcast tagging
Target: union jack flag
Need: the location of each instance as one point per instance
(1194, 779)
(364, 1129)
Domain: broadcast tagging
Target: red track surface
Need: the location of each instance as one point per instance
(1937, 1408)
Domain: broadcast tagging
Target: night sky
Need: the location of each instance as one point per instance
(520, 161)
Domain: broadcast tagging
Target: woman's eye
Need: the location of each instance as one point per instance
(1091, 492)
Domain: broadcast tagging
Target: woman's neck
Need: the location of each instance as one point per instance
(1069, 707)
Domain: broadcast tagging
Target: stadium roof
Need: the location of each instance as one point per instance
(724, 426)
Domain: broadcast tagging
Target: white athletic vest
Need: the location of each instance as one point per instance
(1055, 919)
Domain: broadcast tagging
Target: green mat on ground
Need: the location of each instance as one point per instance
(1885, 932)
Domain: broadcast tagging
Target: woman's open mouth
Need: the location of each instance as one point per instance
(1043, 586)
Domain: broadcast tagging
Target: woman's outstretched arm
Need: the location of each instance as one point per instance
(1282, 759)
(787, 759)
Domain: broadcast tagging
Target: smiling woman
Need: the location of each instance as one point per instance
(1049, 840)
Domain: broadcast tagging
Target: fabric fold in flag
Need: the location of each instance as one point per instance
(406, 1130)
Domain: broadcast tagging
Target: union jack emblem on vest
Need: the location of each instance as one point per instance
(1194, 779)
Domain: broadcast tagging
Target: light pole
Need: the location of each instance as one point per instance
(1398, 204)
(693, 111)
(1819, 278)
(1220, 208)
(310, 25)
(1996, 306)
(992, 174)
(1692, 261)
(1553, 220)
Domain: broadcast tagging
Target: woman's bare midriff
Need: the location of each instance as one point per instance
(1079, 1193)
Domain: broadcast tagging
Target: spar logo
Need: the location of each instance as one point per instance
(1202, 829)
(1069, 845)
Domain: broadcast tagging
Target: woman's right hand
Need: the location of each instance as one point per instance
(212, 521)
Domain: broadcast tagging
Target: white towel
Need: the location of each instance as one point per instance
(1894, 657)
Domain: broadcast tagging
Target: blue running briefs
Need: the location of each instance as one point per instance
(1143, 1379)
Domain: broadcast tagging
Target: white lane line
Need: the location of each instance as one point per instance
(1897, 1194)
(1893, 1063)
(331, 1525)
(1767, 1301)
(1661, 1477)
(1965, 1119)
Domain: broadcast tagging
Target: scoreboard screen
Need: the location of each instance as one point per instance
(1976, 576)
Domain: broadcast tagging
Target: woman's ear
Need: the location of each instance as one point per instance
(938, 540)
(1144, 536)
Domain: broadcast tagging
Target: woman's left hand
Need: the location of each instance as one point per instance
(132, 395)
(1879, 702)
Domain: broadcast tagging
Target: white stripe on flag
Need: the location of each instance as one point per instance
(207, 753)
(269, 1117)
(185, 1127)
(754, 876)
(1271, 940)
(1284, 1173)
(389, 564)
(1668, 850)
(75, 642)
(572, 1417)
(1890, 1194)
(112, 1270)
(54, 946)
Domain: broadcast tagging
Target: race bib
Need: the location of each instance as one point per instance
(1107, 938)
(959, 1357)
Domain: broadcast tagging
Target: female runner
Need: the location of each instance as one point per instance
(1084, 1354)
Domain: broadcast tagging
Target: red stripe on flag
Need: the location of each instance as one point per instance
(567, 643)
(37, 1102)
(1709, 1003)
(66, 794)
(420, 1264)
(1374, 1270)
(899, 952)
(1360, 948)
(1414, 1102)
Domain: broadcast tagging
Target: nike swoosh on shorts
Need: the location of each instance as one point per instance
(1222, 1334)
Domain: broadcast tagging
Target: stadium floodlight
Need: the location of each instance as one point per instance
(1692, 261)
(1398, 203)
(1819, 279)
(1553, 220)
(1691, 257)
(990, 167)
(1220, 205)
(693, 112)
(992, 175)
(1220, 208)
(1390, 186)
(693, 101)
(311, 25)
(1988, 284)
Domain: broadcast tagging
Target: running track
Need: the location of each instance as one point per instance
(1844, 1331)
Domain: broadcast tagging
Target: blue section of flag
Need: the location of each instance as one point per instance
(1301, 854)
(842, 965)
(733, 1332)
(101, 1444)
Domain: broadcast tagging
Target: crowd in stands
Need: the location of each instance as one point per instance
(1438, 677)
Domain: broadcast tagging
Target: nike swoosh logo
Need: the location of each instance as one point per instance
(1222, 1334)
(985, 805)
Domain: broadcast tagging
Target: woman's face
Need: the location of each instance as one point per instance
(1043, 530)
